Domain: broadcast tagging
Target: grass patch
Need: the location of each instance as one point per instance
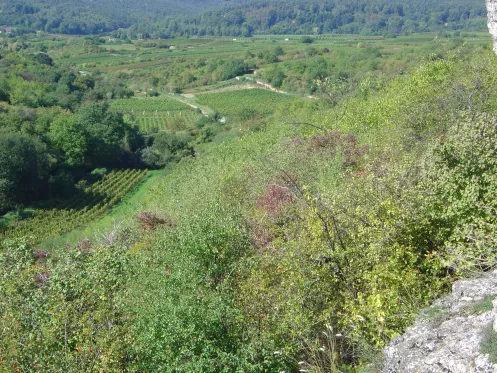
(434, 314)
(124, 210)
(488, 344)
(485, 305)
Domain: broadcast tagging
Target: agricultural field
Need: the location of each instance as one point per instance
(151, 122)
(137, 105)
(198, 64)
(245, 104)
(91, 203)
(158, 114)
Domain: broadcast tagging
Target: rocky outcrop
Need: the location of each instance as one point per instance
(492, 20)
(448, 335)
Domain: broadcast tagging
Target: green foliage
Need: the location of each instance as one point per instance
(29, 93)
(167, 148)
(339, 231)
(44, 59)
(62, 311)
(104, 132)
(488, 344)
(94, 136)
(316, 17)
(340, 216)
(69, 136)
(231, 68)
(460, 185)
(192, 324)
(45, 128)
(236, 18)
(23, 167)
(307, 40)
(74, 17)
(98, 173)
(340, 257)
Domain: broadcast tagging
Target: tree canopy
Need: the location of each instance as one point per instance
(242, 18)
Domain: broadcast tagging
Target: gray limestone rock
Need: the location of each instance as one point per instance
(446, 337)
(492, 20)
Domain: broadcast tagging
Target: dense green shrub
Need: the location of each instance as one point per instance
(167, 148)
(231, 68)
(186, 320)
(461, 182)
(306, 40)
(62, 309)
(24, 167)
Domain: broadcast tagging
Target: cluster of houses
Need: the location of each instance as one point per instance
(6, 30)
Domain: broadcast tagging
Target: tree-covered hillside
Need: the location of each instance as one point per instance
(376, 17)
(93, 16)
(169, 18)
(305, 242)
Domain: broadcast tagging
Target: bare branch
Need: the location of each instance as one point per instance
(108, 238)
(476, 86)
(308, 124)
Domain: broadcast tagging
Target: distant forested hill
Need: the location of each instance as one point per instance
(370, 17)
(170, 18)
(96, 16)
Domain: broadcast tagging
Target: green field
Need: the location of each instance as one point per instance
(247, 103)
(137, 105)
(120, 214)
(158, 114)
(90, 204)
(199, 56)
(151, 122)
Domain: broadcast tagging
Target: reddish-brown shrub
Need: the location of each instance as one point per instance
(261, 235)
(334, 142)
(42, 254)
(41, 278)
(274, 199)
(150, 220)
(85, 244)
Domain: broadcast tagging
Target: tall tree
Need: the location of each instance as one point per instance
(105, 132)
(23, 167)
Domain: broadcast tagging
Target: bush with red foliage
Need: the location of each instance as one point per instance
(41, 278)
(261, 235)
(274, 199)
(335, 142)
(150, 220)
(85, 244)
(41, 254)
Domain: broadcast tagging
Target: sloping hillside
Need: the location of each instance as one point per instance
(377, 17)
(293, 248)
(95, 16)
(244, 17)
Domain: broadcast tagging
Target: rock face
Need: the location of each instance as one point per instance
(492, 20)
(447, 336)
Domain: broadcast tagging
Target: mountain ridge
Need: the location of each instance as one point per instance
(92, 17)
(171, 18)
